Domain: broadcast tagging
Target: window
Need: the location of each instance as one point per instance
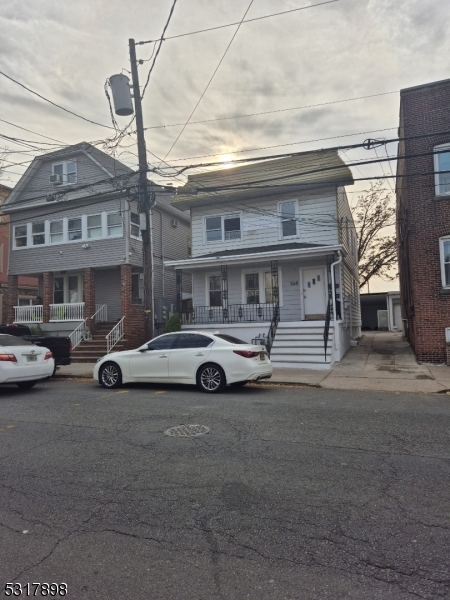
(94, 226)
(25, 301)
(58, 290)
(74, 228)
(229, 338)
(442, 163)
(74, 292)
(252, 288)
(56, 232)
(134, 225)
(38, 233)
(192, 340)
(68, 170)
(270, 287)
(114, 223)
(288, 219)
(162, 343)
(20, 236)
(227, 227)
(445, 261)
(215, 290)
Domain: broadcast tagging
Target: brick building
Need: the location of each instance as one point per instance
(26, 286)
(423, 217)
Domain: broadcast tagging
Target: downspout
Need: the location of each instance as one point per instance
(153, 265)
(333, 292)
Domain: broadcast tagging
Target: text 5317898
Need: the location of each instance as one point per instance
(36, 589)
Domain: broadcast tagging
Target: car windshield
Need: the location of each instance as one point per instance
(229, 338)
(10, 340)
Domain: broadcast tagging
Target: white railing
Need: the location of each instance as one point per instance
(67, 312)
(115, 335)
(78, 334)
(101, 313)
(28, 314)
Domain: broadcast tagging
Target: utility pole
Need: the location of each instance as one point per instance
(144, 197)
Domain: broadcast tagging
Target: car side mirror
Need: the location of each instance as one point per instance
(143, 349)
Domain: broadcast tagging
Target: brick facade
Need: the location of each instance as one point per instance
(89, 297)
(134, 323)
(423, 218)
(12, 297)
(47, 295)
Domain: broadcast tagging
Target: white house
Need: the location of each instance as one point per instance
(274, 257)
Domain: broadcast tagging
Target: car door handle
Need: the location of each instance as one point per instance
(200, 354)
(163, 356)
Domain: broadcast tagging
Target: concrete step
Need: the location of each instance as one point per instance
(300, 344)
(302, 364)
(299, 351)
(301, 338)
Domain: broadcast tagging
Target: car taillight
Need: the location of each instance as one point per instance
(48, 355)
(8, 357)
(246, 353)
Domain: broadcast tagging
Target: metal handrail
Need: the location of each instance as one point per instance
(273, 328)
(78, 334)
(326, 329)
(114, 336)
(103, 310)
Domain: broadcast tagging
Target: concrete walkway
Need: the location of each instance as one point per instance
(382, 361)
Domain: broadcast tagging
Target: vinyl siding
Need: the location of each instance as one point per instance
(260, 224)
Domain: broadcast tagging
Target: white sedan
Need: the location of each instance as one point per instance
(208, 360)
(22, 362)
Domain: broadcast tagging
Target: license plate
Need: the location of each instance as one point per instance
(31, 358)
(262, 356)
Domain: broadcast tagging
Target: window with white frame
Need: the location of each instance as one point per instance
(445, 260)
(288, 218)
(56, 231)
(215, 290)
(38, 234)
(67, 170)
(94, 226)
(114, 224)
(442, 163)
(134, 225)
(252, 288)
(223, 228)
(20, 236)
(74, 229)
(25, 301)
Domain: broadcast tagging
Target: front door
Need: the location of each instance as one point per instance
(68, 289)
(314, 294)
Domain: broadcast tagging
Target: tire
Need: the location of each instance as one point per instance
(54, 371)
(110, 376)
(26, 385)
(211, 379)
(238, 384)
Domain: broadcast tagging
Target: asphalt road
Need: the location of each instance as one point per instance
(294, 493)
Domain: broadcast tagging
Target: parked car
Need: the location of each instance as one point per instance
(210, 361)
(23, 363)
(60, 347)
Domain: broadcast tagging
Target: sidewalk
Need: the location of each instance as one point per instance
(382, 361)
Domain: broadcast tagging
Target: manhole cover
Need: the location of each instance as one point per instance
(187, 430)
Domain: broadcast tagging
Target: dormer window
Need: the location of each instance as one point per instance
(441, 164)
(64, 172)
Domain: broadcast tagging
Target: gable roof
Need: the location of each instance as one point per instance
(110, 166)
(282, 175)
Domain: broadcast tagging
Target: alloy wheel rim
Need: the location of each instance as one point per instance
(110, 375)
(210, 379)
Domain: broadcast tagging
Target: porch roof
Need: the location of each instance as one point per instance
(259, 254)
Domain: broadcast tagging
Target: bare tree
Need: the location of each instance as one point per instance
(377, 251)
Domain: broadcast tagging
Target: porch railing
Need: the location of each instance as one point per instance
(235, 313)
(273, 329)
(67, 312)
(114, 336)
(29, 314)
(79, 334)
(101, 313)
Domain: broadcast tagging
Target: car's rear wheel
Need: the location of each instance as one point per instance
(211, 379)
(110, 375)
(26, 385)
(238, 383)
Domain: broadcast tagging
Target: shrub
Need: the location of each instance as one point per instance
(173, 324)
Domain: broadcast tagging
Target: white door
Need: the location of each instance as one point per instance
(397, 316)
(314, 293)
(153, 363)
(188, 353)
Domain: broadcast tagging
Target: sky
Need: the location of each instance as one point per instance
(325, 55)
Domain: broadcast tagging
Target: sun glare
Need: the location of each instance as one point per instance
(227, 161)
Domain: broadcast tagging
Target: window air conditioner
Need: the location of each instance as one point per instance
(174, 223)
(56, 179)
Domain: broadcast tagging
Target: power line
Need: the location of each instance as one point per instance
(285, 12)
(53, 103)
(34, 132)
(209, 82)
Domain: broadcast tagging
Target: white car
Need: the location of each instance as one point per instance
(208, 360)
(22, 362)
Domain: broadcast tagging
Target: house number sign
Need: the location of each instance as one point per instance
(294, 282)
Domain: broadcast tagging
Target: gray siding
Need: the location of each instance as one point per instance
(260, 224)
(107, 291)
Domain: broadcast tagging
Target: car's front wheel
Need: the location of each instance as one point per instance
(26, 385)
(110, 375)
(211, 379)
